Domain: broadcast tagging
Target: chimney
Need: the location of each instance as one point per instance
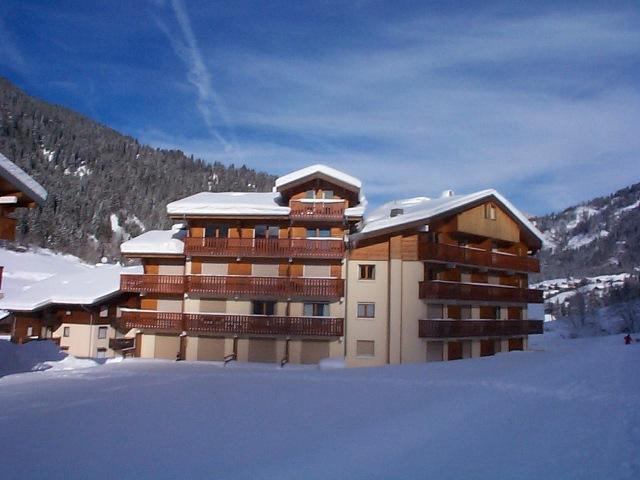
(447, 193)
(396, 211)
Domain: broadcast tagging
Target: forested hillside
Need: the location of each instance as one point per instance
(598, 237)
(103, 186)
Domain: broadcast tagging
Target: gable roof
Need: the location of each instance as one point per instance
(22, 181)
(317, 171)
(417, 211)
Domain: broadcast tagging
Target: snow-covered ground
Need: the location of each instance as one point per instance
(566, 409)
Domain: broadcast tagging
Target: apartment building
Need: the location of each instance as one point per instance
(307, 272)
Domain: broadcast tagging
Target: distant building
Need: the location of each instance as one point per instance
(80, 312)
(17, 189)
(306, 272)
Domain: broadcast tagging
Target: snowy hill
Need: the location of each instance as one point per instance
(596, 238)
(567, 409)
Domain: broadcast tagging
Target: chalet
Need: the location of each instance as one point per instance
(17, 189)
(307, 272)
(80, 312)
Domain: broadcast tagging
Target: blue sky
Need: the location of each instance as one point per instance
(540, 100)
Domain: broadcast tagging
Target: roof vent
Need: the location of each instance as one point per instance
(396, 211)
(447, 193)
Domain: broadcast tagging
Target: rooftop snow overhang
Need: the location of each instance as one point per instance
(23, 183)
(229, 204)
(457, 204)
(323, 172)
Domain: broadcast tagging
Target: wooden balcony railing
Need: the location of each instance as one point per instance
(265, 247)
(264, 325)
(121, 343)
(477, 328)
(269, 286)
(317, 211)
(234, 324)
(1, 270)
(165, 321)
(441, 252)
(153, 283)
(466, 291)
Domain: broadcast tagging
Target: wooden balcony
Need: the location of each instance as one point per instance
(317, 211)
(172, 284)
(440, 252)
(162, 321)
(264, 247)
(267, 286)
(224, 324)
(477, 328)
(477, 292)
(264, 325)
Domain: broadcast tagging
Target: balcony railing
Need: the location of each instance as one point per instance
(477, 328)
(466, 291)
(269, 286)
(441, 252)
(224, 324)
(265, 247)
(165, 321)
(264, 325)
(235, 285)
(153, 283)
(317, 211)
(1, 269)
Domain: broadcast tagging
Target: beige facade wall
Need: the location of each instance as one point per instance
(214, 268)
(413, 309)
(167, 346)
(171, 269)
(374, 329)
(83, 339)
(169, 305)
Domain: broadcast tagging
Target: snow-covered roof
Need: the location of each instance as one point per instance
(157, 242)
(318, 171)
(420, 209)
(229, 204)
(86, 288)
(21, 180)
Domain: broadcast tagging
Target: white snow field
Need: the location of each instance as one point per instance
(567, 409)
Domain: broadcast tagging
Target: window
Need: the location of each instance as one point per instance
(263, 308)
(310, 194)
(29, 331)
(434, 237)
(66, 331)
(67, 313)
(102, 353)
(118, 312)
(64, 348)
(365, 348)
(435, 311)
(266, 231)
(366, 310)
(367, 272)
(215, 230)
(318, 232)
(328, 194)
(102, 332)
(316, 309)
(104, 311)
(466, 312)
(490, 211)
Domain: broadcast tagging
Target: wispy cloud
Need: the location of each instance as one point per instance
(10, 54)
(186, 47)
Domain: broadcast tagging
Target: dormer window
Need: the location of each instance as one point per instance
(310, 194)
(328, 194)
